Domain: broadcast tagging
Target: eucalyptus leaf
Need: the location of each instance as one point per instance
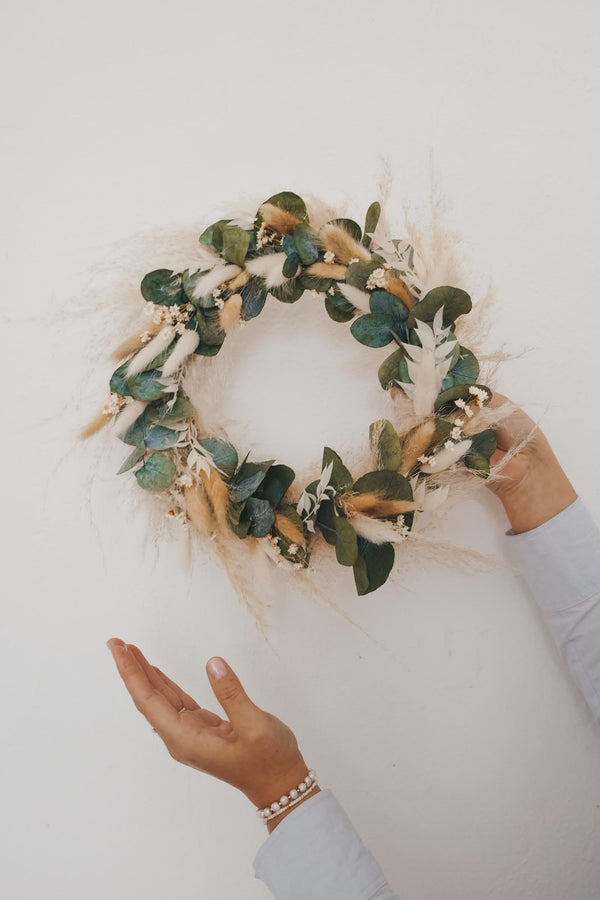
(289, 292)
(134, 457)
(288, 201)
(444, 405)
(163, 287)
(346, 546)
(213, 235)
(465, 370)
(146, 385)
(325, 520)
(254, 295)
(134, 436)
(277, 481)
(157, 437)
(373, 329)
(157, 473)
(314, 282)
(223, 453)
(261, 516)
(243, 489)
(373, 565)
(390, 369)
(209, 328)
(357, 274)
(162, 414)
(235, 244)
(290, 266)
(387, 450)
(307, 243)
(455, 301)
(371, 220)
(388, 304)
(118, 382)
(341, 479)
(389, 485)
(348, 225)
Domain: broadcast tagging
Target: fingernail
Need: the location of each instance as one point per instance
(217, 667)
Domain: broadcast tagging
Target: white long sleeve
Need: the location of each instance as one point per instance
(315, 853)
(560, 564)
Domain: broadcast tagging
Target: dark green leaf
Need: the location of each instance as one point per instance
(207, 349)
(314, 282)
(465, 369)
(371, 220)
(289, 201)
(346, 547)
(134, 436)
(163, 287)
(289, 292)
(213, 235)
(290, 266)
(444, 405)
(325, 520)
(254, 294)
(157, 473)
(338, 308)
(389, 485)
(209, 328)
(349, 225)
(118, 382)
(134, 457)
(277, 481)
(393, 368)
(455, 302)
(387, 450)
(388, 304)
(307, 243)
(235, 244)
(341, 479)
(483, 446)
(261, 516)
(357, 274)
(245, 488)
(373, 565)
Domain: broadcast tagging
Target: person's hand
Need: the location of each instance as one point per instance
(531, 485)
(251, 749)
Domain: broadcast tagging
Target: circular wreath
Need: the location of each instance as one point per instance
(364, 278)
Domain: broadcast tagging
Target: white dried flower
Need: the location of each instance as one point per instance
(424, 460)
(376, 279)
(293, 549)
(329, 256)
(353, 260)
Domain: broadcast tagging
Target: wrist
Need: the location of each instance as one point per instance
(286, 792)
(542, 493)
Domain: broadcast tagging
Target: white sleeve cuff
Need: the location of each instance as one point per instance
(316, 853)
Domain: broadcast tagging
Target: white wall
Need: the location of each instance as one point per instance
(462, 750)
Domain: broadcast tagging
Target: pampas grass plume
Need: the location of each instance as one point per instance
(230, 314)
(184, 347)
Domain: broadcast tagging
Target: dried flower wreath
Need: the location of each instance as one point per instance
(365, 278)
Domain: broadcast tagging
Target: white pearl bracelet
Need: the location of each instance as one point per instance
(290, 799)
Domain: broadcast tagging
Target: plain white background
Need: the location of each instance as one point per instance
(461, 749)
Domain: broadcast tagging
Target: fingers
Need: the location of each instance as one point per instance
(227, 688)
(148, 700)
(174, 694)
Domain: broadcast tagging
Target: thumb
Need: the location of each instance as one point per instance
(228, 690)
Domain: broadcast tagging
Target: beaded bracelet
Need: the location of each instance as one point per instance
(288, 800)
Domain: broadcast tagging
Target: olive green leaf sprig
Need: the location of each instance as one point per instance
(363, 279)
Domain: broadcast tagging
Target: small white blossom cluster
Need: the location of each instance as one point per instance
(353, 260)
(376, 279)
(331, 290)
(265, 236)
(177, 316)
(329, 256)
(113, 405)
(185, 480)
(219, 301)
(480, 393)
(425, 460)
(463, 405)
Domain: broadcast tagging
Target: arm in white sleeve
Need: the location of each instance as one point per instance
(560, 563)
(315, 854)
